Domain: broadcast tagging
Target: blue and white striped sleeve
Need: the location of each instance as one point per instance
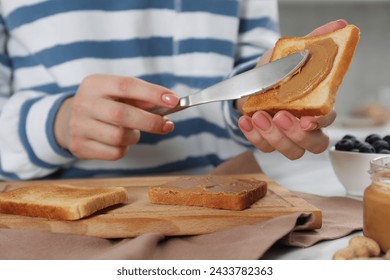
(27, 145)
(5, 92)
(258, 32)
(5, 68)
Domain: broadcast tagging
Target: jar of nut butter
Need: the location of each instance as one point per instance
(376, 199)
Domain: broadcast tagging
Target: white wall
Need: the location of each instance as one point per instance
(370, 70)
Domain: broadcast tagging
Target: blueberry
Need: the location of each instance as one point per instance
(387, 138)
(373, 143)
(366, 148)
(344, 145)
(372, 138)
(357, 143)
(381, 145)
(348, 136)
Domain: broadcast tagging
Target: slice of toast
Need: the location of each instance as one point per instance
(321, 97)
(213, 191)
(61, 202)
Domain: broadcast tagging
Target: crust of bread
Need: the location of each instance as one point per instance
(321, 100)
(61, 202)
(223, 192)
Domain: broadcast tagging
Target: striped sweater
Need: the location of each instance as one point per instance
(47, 47)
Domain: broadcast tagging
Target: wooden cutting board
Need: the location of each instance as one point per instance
(139, 216)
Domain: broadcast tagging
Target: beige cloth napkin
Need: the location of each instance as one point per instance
(341, 216)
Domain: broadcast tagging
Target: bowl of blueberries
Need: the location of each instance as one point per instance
(350, 158)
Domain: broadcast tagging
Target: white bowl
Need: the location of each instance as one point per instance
(351, 169)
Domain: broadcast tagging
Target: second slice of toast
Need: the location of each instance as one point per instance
(213, 191)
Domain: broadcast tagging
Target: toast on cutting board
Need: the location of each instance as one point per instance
(312, 91)
(212, 191)
(61, 202)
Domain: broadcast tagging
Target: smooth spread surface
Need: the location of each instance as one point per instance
(315, 70)
(225, 184)
(212, 191)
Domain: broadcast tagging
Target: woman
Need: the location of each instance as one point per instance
(78, 78)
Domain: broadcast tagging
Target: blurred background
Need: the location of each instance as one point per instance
(368, 78)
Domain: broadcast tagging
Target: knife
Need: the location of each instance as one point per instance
(255, 81)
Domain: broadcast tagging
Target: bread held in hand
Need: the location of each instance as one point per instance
(312, 91)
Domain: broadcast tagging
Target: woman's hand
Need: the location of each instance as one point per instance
(107, 113)
(284, 132)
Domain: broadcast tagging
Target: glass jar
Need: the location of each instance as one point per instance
(376, 200)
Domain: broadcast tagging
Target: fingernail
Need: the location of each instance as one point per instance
(261, 121)
(170, 99)
(245, 124)
(340, 21)
(168, 126)
(311, 126)
(283, 121)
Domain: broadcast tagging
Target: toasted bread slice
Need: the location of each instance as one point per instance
(213, 191)
(62, 202)
(321, 98)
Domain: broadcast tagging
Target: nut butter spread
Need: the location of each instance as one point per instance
(318, 66)
(223, 184)
(377, 214)
(221, 192)
(376, 202)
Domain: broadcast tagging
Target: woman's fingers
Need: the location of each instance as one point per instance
(107, 134)
(257, 140)
(107, 113)
(265, 125)
(314, 140)
(129, 89)
(127, 116)
(283, 133)
(329, 27)
(90, 149)
(309, 123)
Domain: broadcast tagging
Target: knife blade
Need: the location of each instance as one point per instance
(255, 81)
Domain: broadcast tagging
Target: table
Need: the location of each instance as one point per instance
(312, 174)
